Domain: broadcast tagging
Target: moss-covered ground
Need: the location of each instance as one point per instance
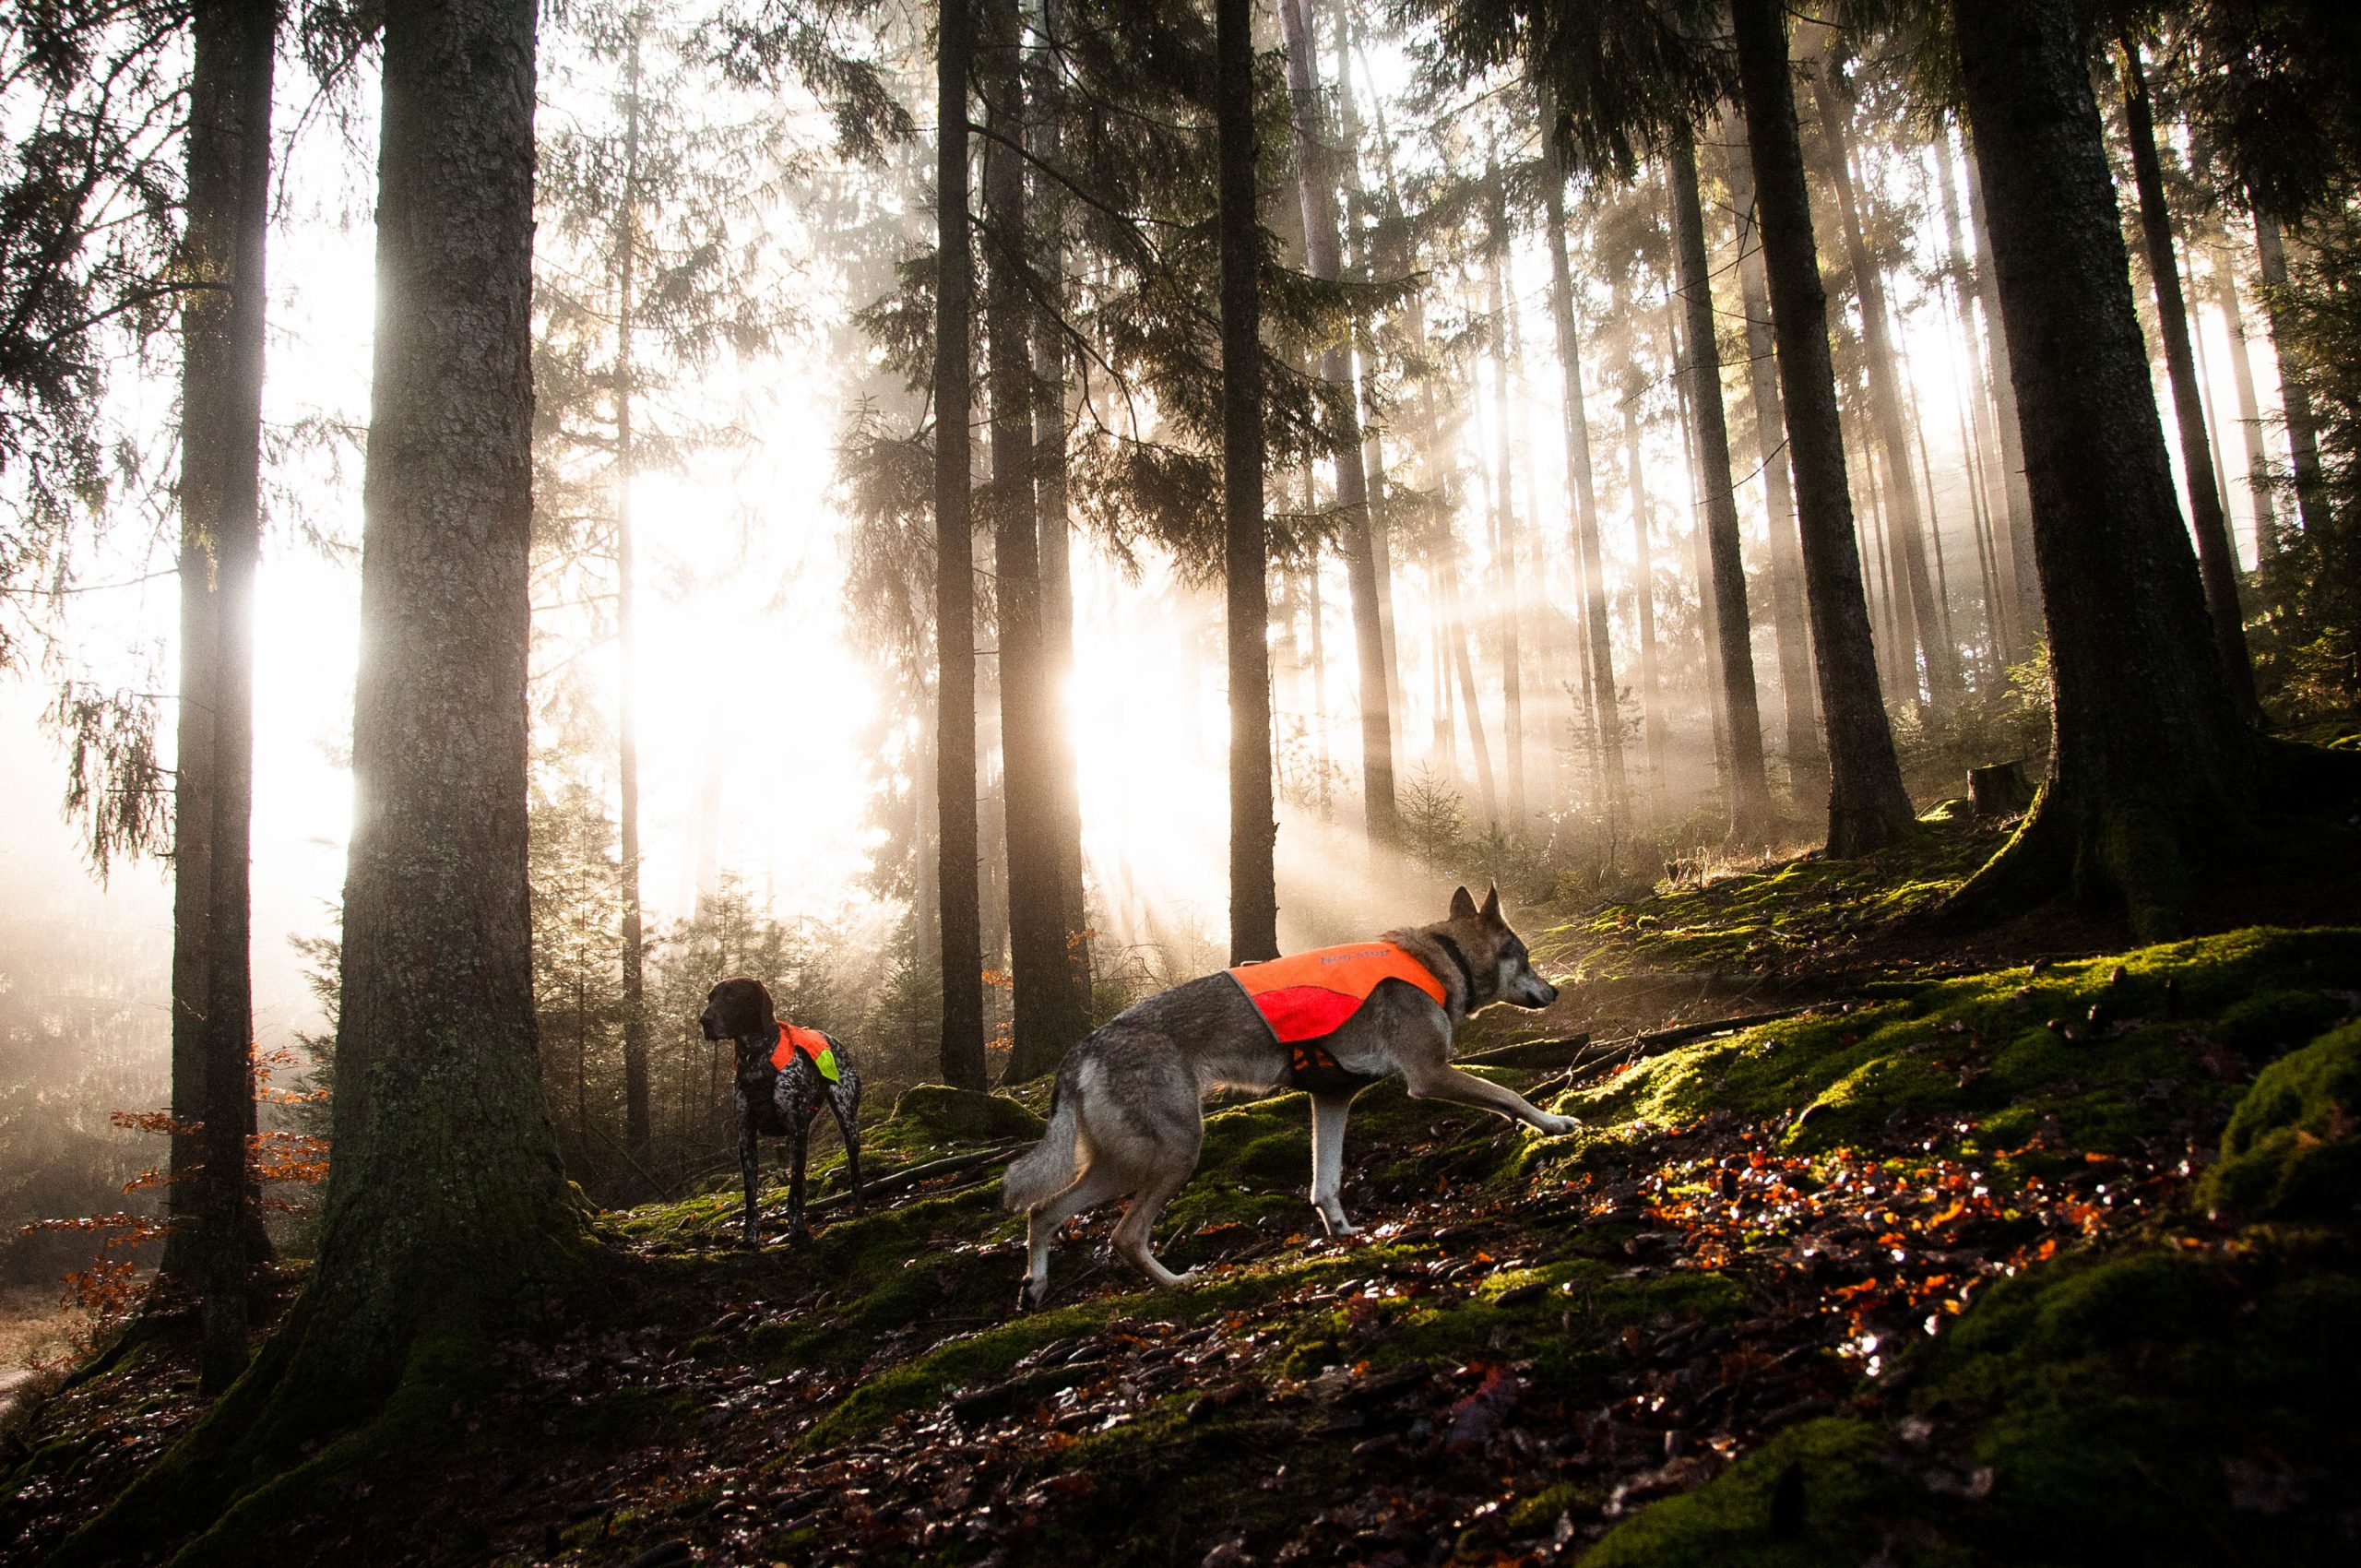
(1966, 1260)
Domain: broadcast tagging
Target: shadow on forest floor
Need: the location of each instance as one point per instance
(1947, 1265)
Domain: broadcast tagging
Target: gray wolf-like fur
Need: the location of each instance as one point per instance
(780, 1102)
(1126, 1116)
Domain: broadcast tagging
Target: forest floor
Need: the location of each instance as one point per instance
(2027, 1246)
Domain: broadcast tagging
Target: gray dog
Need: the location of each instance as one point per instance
(1126, 1115)
(785, 1075)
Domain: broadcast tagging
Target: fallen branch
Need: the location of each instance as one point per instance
(910, 1175)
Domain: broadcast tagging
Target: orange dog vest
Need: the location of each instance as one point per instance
(1307, 995)
(793, 1037)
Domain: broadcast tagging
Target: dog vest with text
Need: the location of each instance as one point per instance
(1306, 996)
(793, 1037)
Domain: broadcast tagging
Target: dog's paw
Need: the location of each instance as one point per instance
(1027, 1298)
(1555, 1126)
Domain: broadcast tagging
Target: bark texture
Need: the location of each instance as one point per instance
(2217, 561)
(1253, 830)
(1050, 508)
(1750, 788)
(1051, 1011)
(961, 1057)
(221, 378)
(446, 1211)
(1867, 805)
(2150, 760)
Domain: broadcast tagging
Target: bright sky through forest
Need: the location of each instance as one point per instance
(747, 663)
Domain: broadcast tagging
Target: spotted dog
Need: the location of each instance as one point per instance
(786, 1074)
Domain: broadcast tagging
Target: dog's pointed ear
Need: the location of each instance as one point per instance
(1491, 910)
(1462, 904)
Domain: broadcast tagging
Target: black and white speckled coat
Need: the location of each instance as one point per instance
(780, 1102)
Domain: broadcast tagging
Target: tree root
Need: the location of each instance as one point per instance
(2140, 850)
(308, 1413)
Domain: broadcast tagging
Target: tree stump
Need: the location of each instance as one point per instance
(1999, 789)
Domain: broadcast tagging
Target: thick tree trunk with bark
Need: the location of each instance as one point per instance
(1867, 807)
(216, 1227)
(2152, 765)
(1253, 830)
(1807, 761)
(446, 1211)
(1051, 1012)
(1750, 788)
(1885, 381)
(1317, 188)
(2294, 399)
(2217, 561)
(961, 1057)
(1607, 727)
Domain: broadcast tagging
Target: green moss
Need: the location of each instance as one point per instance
(936, 1113)
(1835, 1492)
(2290, 1149)
(1982, 1050)
(2154, 1407)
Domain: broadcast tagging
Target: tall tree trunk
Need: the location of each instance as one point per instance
(2226, 294)
(1987, 439)
(212, 1243)
(1504, 528)
(2294, 398)
(1317, 186)
(2216, 560)
(962, 1056)
(1051, 1012)
(1046, 135)
(1885, 379)
(1750, 788)
(1601, 653)
(1867, 807)
(2022, 567)
(1807, 762)
(1253, 887)
(2151, 762)
(634, 945)
(446, 1211)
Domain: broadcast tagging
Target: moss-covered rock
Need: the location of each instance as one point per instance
(939, 1114)
(2289, 1150)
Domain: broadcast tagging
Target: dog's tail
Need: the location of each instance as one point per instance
(1048, 1167)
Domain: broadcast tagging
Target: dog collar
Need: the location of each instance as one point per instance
(1467, 971)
